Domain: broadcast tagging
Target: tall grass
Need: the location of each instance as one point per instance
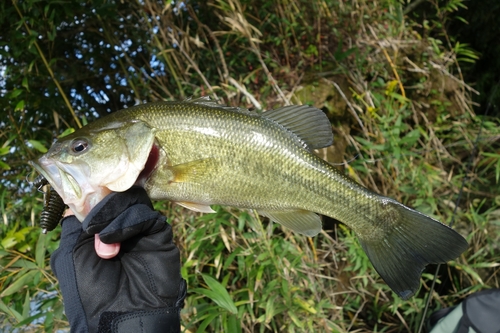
(404, 126)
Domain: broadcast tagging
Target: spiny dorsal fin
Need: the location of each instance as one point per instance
(207, 101)
(310, 124)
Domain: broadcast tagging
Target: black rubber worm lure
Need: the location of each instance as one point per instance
(53, 208)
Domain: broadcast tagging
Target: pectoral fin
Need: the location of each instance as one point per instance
(193, 172)
(301, 221)
(196, 207)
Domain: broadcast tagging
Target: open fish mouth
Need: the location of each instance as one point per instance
(64, 181)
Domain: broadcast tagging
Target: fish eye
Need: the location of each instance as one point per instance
(79, 146)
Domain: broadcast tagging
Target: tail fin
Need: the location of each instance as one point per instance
(413, 242)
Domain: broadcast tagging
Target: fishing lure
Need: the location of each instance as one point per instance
(53, 207)
(40, 182)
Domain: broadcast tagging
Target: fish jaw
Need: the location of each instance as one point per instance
(72, 184)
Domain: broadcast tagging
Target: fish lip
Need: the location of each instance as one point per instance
(61, 180)
(46, 174)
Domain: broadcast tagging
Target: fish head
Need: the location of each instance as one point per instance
(88, 164)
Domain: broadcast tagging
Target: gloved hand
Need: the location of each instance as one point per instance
(139, 290)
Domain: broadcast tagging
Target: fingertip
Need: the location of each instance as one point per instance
(106, 251)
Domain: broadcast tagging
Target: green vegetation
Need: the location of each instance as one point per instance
(391, 84)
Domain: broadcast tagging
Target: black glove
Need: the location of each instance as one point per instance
(139, 290)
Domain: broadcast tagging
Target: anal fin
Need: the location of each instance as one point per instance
(196, 207)
(301, 221)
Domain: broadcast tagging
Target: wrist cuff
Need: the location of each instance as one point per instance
(154, 321)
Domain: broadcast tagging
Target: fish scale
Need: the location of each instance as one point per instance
(203, 153)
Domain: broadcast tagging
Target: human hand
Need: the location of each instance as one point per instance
(103, 250)
(138, 290)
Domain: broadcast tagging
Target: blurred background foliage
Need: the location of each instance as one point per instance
(405, 84)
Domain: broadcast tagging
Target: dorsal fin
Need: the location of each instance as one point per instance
(310, 124)
(207, 101)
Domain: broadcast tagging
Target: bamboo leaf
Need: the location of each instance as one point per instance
(15, 93)
(206, 322)
(233, 324)
(4, 308)
(40, 251)
(38, 146)
(4, 166)
(26, 305)
(218, 294)
(4, 150)
(19, 284)
(19, 106)
(67, 131)
(30, 319)
(25, 83)
(8, 242)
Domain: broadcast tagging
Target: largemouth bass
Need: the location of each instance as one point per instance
(199, 153)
